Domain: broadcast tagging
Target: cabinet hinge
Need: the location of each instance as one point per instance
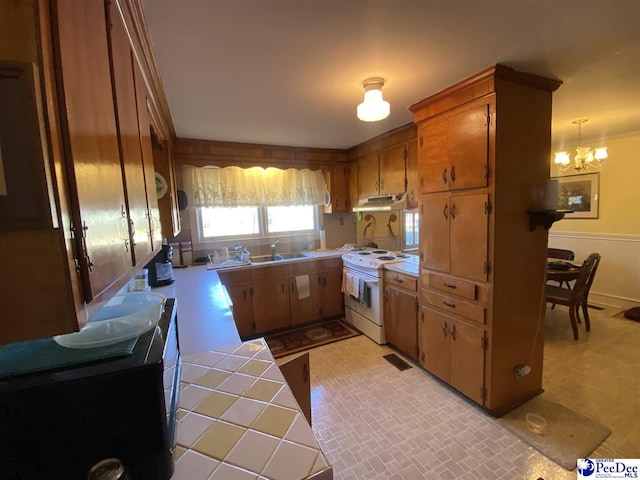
(487, 267)
(487, 117)
(487, 207)
(422, 181)
(484, 343)
(487, 171)
(417, 351)
(422, 316)
(421, 209)
(404, 153)
(421, 142)
(483, 393)
(406, 184)
(421, 256)
(417, 306)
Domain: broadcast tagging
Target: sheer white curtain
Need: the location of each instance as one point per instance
(235, 186)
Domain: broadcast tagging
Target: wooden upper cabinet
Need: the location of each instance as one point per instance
(91, 144)
(383, 173)
(152, 225)
(127, 118)
(434, 240)
(353, 184)
(453, 149)
(368, 176)
(164, 165)
(413, 178)
(338, 184)
(392, 171)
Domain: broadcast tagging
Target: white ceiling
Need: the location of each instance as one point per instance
(290, 72)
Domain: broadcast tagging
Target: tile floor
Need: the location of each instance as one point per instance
(374, 422)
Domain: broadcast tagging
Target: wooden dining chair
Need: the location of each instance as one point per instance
(560, 254)
(577, 297)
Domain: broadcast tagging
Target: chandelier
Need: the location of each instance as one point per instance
(373, 108)
(584, 158)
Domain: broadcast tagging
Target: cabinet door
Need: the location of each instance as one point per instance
(164, 164)
(433, 158)
(297, 374)
(270, 304)
(368, 176)
(413, 177)
(400, 320)
(242, 311)
(468, 144)
(91, 144)
(128, 136)
(469, 235)
(340, 189)
(152, 225)
(466, 360)
(332, 297)
(393, 170)
(308, 308)
(434, 231)
(353, 184)
(434, 342)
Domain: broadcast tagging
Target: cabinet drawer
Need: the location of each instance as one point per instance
(455, 286)
(230, 277)
(265, 273)
(406, 282)
(331, 263)
(304, 267)
(454, 305)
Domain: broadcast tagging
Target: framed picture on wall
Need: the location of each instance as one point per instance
(580, 193)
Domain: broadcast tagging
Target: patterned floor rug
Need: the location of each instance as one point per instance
(310, 336)
(567, 437)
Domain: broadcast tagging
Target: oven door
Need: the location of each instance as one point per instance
(372, 312)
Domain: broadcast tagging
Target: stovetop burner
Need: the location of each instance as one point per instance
(403, 255)
(364, 253)
(386, 257)
(379, 251)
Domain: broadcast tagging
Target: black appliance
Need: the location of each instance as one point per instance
(58, 424)
(160, 268)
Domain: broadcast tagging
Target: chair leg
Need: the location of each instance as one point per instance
(578, 313)
(574, 325)
(587, 323)
(553, 305)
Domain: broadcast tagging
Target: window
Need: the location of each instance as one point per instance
(298, 218)
(226, 223)
(411, 230)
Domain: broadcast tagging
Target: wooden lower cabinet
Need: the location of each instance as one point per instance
(305, 308)
(453, 351)
(271, 297)
(270, 302)
(401, 313)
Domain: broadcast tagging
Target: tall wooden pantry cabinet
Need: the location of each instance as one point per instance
(483, 162)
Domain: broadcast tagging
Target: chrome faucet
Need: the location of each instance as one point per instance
(274, 254)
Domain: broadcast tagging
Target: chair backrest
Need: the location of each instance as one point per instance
(588, 269)
(560, 253)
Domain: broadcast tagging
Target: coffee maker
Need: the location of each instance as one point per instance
(160, 269)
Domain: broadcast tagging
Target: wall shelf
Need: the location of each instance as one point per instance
(545, 218)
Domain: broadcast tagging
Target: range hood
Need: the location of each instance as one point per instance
(394, 201)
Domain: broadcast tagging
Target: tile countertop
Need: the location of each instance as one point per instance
(239, 420)
(237, 416)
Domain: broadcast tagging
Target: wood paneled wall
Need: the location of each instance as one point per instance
(224, 154)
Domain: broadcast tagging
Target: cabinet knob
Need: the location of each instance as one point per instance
(445, 328)
(453, 332)
(453, 173)
(444, 175)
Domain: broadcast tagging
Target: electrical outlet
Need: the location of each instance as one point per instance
(522, 370)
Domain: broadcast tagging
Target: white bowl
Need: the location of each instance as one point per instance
(536, 423)
(121, 318)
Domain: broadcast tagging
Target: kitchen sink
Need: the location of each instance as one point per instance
(279, 256)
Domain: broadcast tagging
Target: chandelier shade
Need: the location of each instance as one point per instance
(584, 159)
(373, 108)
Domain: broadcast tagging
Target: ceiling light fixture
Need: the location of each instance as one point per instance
(373, 108)
(584, 158)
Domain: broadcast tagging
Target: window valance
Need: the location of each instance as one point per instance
(235, 186)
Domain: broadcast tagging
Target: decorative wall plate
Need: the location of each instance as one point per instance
(161, 185)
